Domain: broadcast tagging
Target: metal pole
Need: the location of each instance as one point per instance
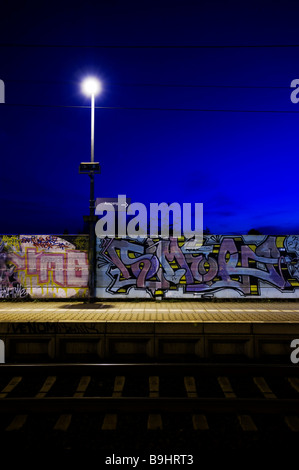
(91, 240)
(91, 213)
(92, 129)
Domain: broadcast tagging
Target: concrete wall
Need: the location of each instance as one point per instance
(140, 341)
(252, 266)
(43, 266)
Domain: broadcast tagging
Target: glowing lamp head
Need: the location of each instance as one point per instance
(91, 86)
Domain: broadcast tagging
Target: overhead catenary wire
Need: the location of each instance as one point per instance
(140, 108)
(162, 85)
(152, 46)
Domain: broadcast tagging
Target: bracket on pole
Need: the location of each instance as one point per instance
(89, 167)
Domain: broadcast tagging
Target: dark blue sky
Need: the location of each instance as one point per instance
(242, 165)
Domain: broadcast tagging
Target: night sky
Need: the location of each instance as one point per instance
(176, 136)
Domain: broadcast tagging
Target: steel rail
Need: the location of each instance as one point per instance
(144, 369)
(148, 404)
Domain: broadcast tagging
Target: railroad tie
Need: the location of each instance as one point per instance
(63, 422)
(154, 419)
(47, 385)
(261, 383)
(10, 386)
(83, 384)
(293, 421)
(199, 420)
(245, 421)
(110, 419)
(17, 423)
(294, 382)
(6, 390)
(226, 387)
(19, 420)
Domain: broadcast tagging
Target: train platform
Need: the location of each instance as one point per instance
(114, 331)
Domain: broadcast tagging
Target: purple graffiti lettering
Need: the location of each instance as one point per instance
(163, 265)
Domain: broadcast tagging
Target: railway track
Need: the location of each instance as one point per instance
(179, 400)
(185, 388)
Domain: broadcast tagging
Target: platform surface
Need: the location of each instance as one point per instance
(161, 330)
(159, 311)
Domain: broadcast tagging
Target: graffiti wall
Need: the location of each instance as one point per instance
(224, 266)
(248, 266)
(43, 266)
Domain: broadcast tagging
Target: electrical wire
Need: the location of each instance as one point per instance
(131, 108)
(153, 46)
(162, 85)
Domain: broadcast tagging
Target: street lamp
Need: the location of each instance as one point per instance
(91, 87)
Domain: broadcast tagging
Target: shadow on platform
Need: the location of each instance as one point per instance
(85, 306)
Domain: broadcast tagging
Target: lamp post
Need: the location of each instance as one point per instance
(91, 87)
